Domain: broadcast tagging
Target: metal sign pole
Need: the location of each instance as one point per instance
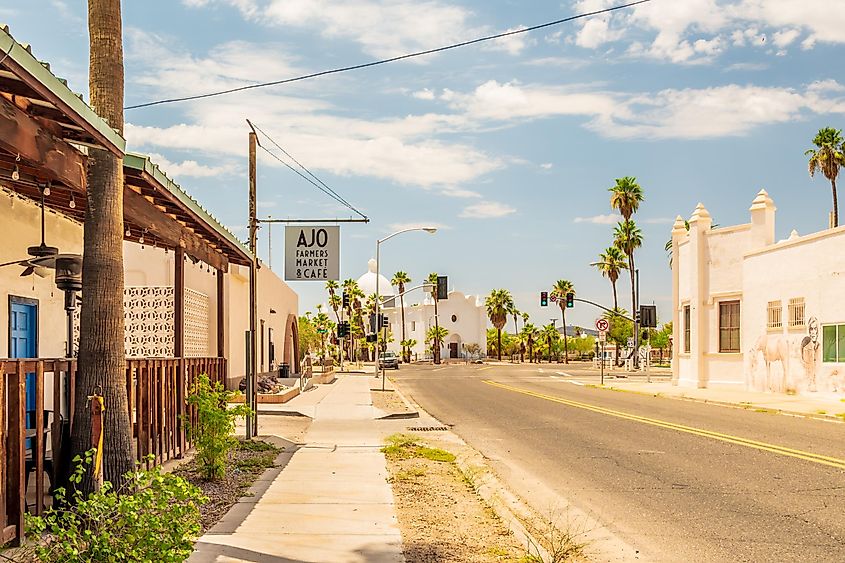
(602, 363)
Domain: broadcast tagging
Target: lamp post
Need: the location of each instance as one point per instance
(429, 230)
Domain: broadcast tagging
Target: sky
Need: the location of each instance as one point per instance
(508, 147)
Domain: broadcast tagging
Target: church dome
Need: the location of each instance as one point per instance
(367, 282)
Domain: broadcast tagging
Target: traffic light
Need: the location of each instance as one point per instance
(372, 338)
(544, 298)
(343, 329)
(384, 322)
(570, 300)
(345, 300)
(637, 316)
(442, 287)
(373, 325)
(645, 335)
(648, 316)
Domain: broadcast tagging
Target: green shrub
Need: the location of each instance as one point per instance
(212, 434)
(153, 517)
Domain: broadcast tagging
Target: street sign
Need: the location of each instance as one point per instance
(630, 342)
(602, 336)
(312, 253)
(602, 325)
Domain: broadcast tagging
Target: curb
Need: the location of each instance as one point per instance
(413, 412)
(728, 404)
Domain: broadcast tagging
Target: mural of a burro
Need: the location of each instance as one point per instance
(792, 364)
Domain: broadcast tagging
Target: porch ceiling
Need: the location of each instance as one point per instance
(45, 129)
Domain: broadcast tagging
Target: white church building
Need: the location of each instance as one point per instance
(463, 316)
(754, 312)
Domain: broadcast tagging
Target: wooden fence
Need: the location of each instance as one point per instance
(157, 390)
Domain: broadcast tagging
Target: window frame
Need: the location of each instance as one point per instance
(774, 309)
(730, 335)
(797, 304)
(687, 328)
(838, 332)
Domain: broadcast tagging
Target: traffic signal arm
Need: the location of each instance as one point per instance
(594, 304)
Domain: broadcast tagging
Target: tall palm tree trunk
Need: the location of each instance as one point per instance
(615, 307)
(101, 343)
(499, 343)
(633, 302)
(835, 203)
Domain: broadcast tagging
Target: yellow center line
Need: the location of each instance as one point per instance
(738, 440)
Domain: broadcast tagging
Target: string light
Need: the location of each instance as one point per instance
(72, 203)
(47, 189)
(141, 238)
(128, 233)
(16, 173)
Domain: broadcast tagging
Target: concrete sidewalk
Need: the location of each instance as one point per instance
(331, 502)
(816, 405)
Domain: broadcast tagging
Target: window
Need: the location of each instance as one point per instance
(413, 326)
(686, 329)
(796, 312)
(775, 314)
(833, 343)
(729, 326)
(454, 318)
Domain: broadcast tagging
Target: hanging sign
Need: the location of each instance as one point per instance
(312, 253)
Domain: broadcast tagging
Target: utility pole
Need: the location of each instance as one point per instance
(251, 395)
(269, 243)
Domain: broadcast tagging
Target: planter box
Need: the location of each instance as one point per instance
(271, 398)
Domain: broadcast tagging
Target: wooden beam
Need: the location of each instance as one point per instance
(23, 135)
(221, 317)
(138, 210)
(179, 304)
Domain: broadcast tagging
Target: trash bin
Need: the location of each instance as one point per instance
(284, 370)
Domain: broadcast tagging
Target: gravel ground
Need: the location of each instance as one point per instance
(440, 516)
(246, 463)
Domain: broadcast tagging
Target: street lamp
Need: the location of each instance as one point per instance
(429, 230)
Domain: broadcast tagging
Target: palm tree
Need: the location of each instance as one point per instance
(322, 322)
(559, 291)
(516, 314)
(436, 335)
(350, 288)
(400, 278)
(432, 278)
(551, 335)
(828, 157)
(101, 345)
(626, 196)
(407, 345)
(611, 263)
(334, 299)
(498, 304)
(530, 332)
(627, 237)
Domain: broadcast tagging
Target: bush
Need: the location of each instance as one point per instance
(153, 517)
(212, 434)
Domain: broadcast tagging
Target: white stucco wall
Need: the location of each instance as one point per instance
(20, 227)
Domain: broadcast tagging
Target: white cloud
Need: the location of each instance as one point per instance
(547, 166)
(320, 135)
(659, 221)
(681, 31)
(191, 168)
(424, 94)
(608, 219)
(487, 210)
(512, 44)
(459, 192)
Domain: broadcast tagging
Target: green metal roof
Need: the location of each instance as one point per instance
(143, 163)
(19, 59)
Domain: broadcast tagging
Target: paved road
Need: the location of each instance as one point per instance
(678, 480)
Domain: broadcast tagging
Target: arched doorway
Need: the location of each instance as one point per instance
(291, 354)
(454, 345)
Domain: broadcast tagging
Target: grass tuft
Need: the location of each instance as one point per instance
(407, 446)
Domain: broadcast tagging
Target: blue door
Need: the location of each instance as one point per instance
(23, 341)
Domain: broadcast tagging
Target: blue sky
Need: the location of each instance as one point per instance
(509, 147)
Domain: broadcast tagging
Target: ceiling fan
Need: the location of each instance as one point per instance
(41, 257)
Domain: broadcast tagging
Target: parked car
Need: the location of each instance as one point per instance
(388, 360)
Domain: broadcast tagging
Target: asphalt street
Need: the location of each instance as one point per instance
(677, 480)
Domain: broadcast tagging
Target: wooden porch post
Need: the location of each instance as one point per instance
(179, 303)
(221, 305)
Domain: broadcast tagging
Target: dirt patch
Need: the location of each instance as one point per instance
(246, 463)
(389, 401)
(440, 516)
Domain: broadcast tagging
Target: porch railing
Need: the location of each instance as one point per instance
(157, 391)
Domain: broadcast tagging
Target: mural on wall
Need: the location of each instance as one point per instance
(781, 363)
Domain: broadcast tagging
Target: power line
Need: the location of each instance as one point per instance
(323, 188)
(337, 196)
(390, 60)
